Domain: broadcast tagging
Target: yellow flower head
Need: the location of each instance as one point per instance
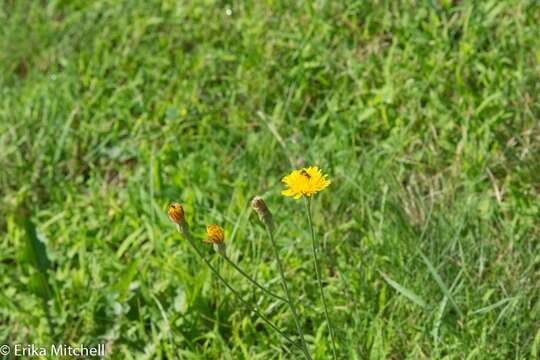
(305, 182)
(214, 234)
(176, 213)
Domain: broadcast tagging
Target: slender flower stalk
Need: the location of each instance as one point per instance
(305, 183)
(314, 248)
(216, 235)
(265, 216)
(176, 214)
(251, 280)
(289, 299)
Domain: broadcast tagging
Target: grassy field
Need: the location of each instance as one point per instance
(425, 115)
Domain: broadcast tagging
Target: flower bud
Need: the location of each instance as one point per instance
(214, 234)
(261, 209)
(176, 214)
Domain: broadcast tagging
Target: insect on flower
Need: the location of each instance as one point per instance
(305, 182)
(305, 173)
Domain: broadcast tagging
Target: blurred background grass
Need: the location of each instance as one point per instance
(425, 115)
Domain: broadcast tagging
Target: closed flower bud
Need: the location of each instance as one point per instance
(216, 235)
(261, 209)
(176, 214)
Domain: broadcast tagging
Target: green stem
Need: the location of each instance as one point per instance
(250, 279)
(286, 289)
(318, 272)
(185, 232)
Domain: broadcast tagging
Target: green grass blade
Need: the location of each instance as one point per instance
(36, 248)
(488, 308)
(440, 282)
(535, 346)
(404, 291)
(126, 279)
(37, 255)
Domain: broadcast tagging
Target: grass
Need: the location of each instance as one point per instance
(425, 115)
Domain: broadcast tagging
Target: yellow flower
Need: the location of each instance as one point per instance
(305, 182)
(214, 234)
(176, 213)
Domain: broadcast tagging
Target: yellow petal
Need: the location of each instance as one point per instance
(288, 192)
